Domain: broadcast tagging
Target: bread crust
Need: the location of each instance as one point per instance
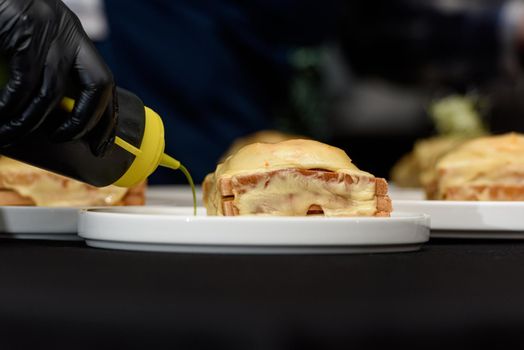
(229, 187)
(8, 197)
(484, 192)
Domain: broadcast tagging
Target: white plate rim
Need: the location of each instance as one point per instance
(32, 222)
(468, 216)
(98, 225)
(461, 203)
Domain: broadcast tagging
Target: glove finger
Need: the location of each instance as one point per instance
(23, 81)
(26, 51)
(96, 84)
(49, 95)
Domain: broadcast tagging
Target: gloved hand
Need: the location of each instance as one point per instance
(46, 46)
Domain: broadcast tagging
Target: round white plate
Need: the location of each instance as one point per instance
(39, 223)
(176, 230)
(459, 219)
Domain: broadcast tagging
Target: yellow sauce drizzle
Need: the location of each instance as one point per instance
(172, 163)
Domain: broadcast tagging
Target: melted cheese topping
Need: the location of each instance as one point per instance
(429, 151)
(297, 153)
(48, 189)
(484, 161)
(293, 195)
(289, 192)
(263, 136)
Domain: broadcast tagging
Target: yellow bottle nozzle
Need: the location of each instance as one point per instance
(149, 156)
(169, 162)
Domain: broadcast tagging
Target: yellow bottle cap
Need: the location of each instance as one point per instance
(150, 154)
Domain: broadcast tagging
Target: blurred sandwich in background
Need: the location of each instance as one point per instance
(457, 121)
(22, 184)
(484, 169)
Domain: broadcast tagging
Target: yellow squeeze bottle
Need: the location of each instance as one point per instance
(137, 152)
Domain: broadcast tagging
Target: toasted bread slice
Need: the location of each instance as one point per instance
(484, 193)
(330, 193)
(9, 197)
(135, 195)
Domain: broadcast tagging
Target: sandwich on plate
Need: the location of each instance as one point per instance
(487, 168)
(293, 178)
(457, 119)
(428, 152)
(25, 185)
(417, 168)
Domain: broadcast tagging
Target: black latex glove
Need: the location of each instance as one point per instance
(45, 46)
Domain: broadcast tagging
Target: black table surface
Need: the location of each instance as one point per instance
(452, 294)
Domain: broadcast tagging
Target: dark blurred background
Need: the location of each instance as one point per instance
(408, 54)
(356, 74)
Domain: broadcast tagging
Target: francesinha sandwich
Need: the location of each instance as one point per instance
(22, 184)
(457, 119)
(486, 168)
(293, 178)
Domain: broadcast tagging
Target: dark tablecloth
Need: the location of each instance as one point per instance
(456, 294)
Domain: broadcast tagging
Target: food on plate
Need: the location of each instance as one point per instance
(428, 152)
(22, 184)
(405, 172)
(456, 121)
(486, 168)
(294, 178)
(417, 168)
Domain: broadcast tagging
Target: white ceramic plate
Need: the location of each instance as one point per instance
(457, 219)
(61, 223)
(39, 223)
(176, 230)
